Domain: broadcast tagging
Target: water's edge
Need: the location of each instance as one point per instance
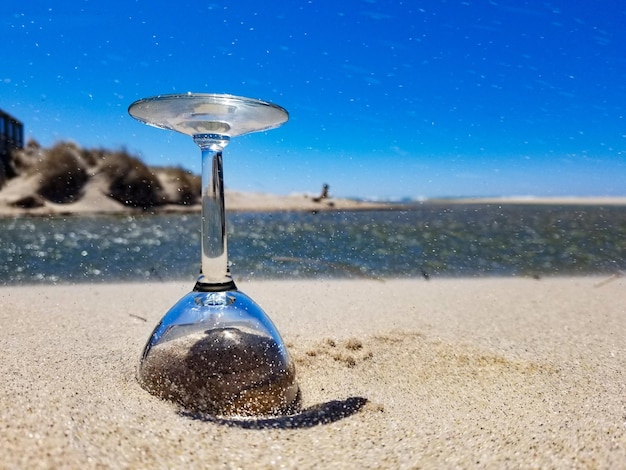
(429, 241)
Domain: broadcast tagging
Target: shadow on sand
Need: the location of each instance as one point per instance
(323, 413)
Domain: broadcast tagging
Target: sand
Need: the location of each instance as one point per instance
(95, 201)
(468, 373)
(222, 372)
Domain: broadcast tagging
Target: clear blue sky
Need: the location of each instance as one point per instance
(387, 98)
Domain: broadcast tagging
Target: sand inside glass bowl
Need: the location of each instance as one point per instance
(222, 372)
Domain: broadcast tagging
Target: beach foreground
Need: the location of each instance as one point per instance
(397, 374)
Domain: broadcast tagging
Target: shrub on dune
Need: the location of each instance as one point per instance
(62, 174)
(23, 160)
(180, 186)
(93, 157)
(130, 181)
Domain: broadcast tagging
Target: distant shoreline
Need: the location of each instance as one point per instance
(67, 180)
(260, 202)
(235, 201)
(558, 200)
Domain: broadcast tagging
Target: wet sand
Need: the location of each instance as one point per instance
(470, 373)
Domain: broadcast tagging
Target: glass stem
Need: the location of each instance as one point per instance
(215, 275)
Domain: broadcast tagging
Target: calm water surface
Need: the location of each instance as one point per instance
(426, 241)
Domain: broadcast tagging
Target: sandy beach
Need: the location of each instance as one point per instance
(447, 373)
(69, 180)
(95, 202)
(118, 183)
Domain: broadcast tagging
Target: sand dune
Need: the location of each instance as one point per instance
(67, 179)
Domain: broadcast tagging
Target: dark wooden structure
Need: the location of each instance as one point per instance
(11, 138)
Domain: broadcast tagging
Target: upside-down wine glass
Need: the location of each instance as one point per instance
(216, 351)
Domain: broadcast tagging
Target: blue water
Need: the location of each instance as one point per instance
(428, 241)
